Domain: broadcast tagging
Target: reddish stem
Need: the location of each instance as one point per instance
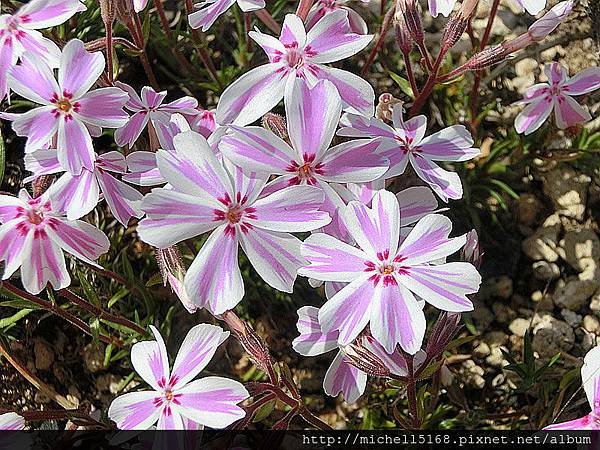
(410, 74)
(385, 28)
(265, 17)
(303, 8)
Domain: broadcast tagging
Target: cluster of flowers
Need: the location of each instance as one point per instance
(381, 256)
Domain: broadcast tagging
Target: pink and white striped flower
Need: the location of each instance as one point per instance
(149, 107)
(406, 143)
(77, 195)
(18, 33)
(209, 195)
(324, 7)
(210, 10)
(590, 375)
(177, 400)
(384, 276)
(11, 421)
(298, 54)
(68, 112)
(33, 236)
(341, 376)
(312, 118)
(542, 98)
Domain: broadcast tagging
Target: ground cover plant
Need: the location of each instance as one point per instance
(299, 214)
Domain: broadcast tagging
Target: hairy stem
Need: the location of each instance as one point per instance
(385, 28)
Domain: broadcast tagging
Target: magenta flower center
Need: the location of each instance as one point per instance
(294, 57)
(236, 214)
(306, 171)
(64, 105)
(383, 269)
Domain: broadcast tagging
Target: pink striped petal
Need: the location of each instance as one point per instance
(75, 195)
(590, 376)
(252, 95)
(331, 259)
(355, 125)
(343, 377)
(275, 256)
(33, 41)
(444, 286)
(74, 145)
(450, 144)
(312, 341)
(33, 79)
(80, 239)
(45, 263)
(292, 209)
(332, 39)
(589, 422)
(213, 401)
(41, 162)
(196, 351)
(568, 112)
(103, 107)
(174, 217)
(443, 7)
(292, 31)
(143, 168)
(354, 162)
(394, 361)
(209, 13)
(135, 410)
(429, 241)
(39, 125)
(11, 421)
(585, 81)
(312, 116)
(556, 73)
(130, 132)
(183, 105)
(170, 419)
(534, 115)
(376, 230)
(357, 94)
(397, 318)
(139, 5)
(349, 310)
(216, 290)
(112, 161)
(48, 13)
(12, 243)
(123, 200)
(251, 5)
(151, 361)
(257, 150)
(415, 203)
(11, 206)
(6, 61)
(270, 44)
(79, 69)
(444, 183)
(135, 102)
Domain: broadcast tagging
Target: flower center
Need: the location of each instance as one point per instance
(384, 268)
(294, 58)
(236, 214)
(64, 105)
(169, 395)
(306, 171)
(35, 216)
(387, 269)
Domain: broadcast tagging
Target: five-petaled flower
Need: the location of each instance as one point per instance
(77, 195)
(406, 142)
(324, 7)
(33, 235)
(302, 54)
(69, 111)
(590, 375)
(149, 107)
(384, 276)
(210, 10)
(556, 95)
(176, 402)
(18, 33)
(209, 195)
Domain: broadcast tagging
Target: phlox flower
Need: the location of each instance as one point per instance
(542, 98)
(204, 122)
(18, 33)
(33, 236)
(590, 375)
(210, 10)
(149, 107)
(298, 54)
(312, 118)
(384, 276)
(443, 7)
(11, 421)
(324, 7)
(406, 143)
(77, 195)
(341, 376)
(175, 401)
(207, 195)
(68, 112)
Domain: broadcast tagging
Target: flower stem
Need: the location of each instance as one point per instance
(385, 27)
(265, 17)
(303, 8)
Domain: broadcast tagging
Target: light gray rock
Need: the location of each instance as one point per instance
(595, 302)
(567, 190)
(591, 324)
(545, 271)
(551, 336)
(582, 252)
(519, 326)
(542, 245)
(574, 294)
(571, 317)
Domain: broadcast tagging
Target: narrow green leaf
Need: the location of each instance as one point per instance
(88, 289)
(403, 83)
(8, 321)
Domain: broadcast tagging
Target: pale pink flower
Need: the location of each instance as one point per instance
(323, 7)
(149, 107)
(139, 5)
(590, 376)
(542, 98)
(443, 7)
(298, 54)
(68, 112)
(77, 195)
(18, 33)
(33, 236)
(177, 399)
(206, 195)
(341, 376)
(406, 143)
(11, 421)
(384, 275)
(210, 10)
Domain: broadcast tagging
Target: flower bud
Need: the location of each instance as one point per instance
(403, 37)
(173, 271)
(365, 360)
(471, 251)
(550, 21)
(458, 24)
(442, 333)
(412, 19)
(275, 124)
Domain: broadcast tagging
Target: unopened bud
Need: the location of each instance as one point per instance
(412, 19)
(173, 271)
(442, 333)
(471, 251)
(124, 10)
(275, 124)
(487, 57)
(458, 24)
(550, 21)
(40, 184)
(403, 37)
(366, 361)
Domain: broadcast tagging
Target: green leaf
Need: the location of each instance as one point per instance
(88, 289)
(8, 321)
(264, 411)
(155, 280)
(95, 328)
(118, 296)
(403, 83)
